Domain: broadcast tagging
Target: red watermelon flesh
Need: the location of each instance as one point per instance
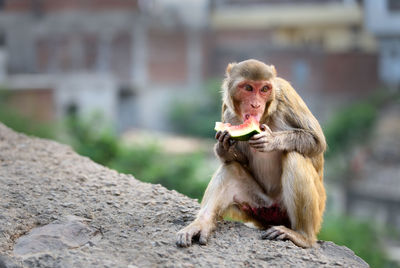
(241, 132)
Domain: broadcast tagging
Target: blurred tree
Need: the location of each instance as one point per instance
(352, 124)
(196, 115)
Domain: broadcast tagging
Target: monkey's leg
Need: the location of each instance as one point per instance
(230, 184)
(302, 195)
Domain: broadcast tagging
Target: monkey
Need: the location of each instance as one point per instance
(274, 181)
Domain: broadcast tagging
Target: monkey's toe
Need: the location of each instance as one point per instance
(203, 238)
(182, 240)
(274, 233)
(281, 237)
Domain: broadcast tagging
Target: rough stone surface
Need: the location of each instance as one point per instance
(59, 209)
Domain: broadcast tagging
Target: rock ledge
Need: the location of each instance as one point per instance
(59, 209)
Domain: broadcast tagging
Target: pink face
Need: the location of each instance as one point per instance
(251, 97)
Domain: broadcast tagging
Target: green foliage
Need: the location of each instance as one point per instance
(149, 163)
(352, 124)
(196, 115)
(89, 137)
(348, 126)
(145, 161)
(360, 236)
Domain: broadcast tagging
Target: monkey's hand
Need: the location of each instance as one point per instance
(199, 229)
(265, 141)
(224, 147)
(224, 140)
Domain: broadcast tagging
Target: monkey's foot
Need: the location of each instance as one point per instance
(283, 233)
(194, 230)
(276, 233)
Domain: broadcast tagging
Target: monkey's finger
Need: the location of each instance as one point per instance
(222, 136)
(225, 142)
(258, 141)
(257, 137)
(257, 146)
(188, 239)
(204, 237)
(218, 134)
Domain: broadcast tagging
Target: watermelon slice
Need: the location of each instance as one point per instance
(242, 132)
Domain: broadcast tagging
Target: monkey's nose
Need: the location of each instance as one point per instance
(255, 106)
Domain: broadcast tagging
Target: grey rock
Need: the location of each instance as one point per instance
(117, 221)
(56, 236)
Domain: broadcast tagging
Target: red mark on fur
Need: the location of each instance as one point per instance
(267, 216)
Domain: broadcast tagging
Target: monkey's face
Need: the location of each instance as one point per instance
(249, 87)
(250, 98)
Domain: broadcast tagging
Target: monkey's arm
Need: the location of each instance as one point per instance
(306, 142)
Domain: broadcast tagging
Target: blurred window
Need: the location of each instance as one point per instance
(301, 72)
(71, 109)
(120, 55)
(394, 5)
(167, 56)
(2, 38)
(90, 48)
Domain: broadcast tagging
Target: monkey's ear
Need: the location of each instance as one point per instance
(229, 68)
(273, 70)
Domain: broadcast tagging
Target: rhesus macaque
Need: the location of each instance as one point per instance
(274, 180)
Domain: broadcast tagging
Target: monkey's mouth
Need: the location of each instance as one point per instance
(256, 116)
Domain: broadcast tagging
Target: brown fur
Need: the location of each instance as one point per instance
(284, 165)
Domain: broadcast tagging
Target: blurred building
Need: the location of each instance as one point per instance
(122, 57)
(66, 56)
(383, 19)
(131, 58)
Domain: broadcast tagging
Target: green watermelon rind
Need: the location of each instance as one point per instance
(245, 137)
(239, 134)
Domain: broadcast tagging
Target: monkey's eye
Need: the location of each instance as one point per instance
(247, 87)
(266, 88)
